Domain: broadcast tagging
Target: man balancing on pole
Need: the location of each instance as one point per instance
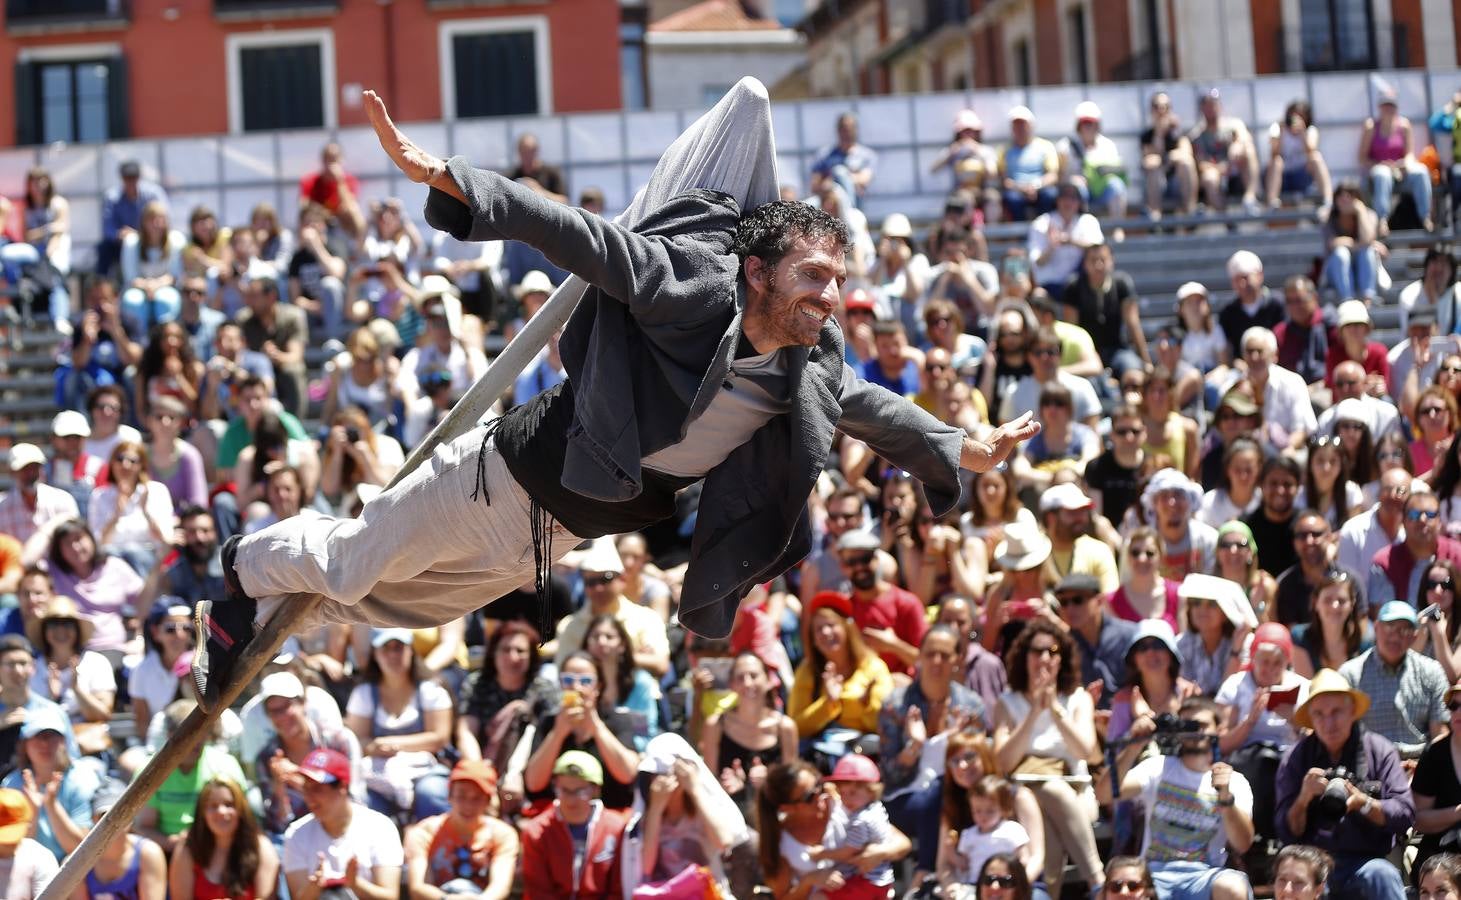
(704, 348)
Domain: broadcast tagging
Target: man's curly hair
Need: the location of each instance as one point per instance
(769, 230)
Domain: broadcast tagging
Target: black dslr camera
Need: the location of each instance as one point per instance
(1170, 733)
(1332, 804)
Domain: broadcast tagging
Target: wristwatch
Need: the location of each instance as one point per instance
(1369, 805)
(1226, 802)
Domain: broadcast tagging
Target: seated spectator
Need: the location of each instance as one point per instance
(891, 619)
(1091, 161)
(1328, 488)
(1166, 161)
(795, 814)
(245, 265)
(1255, 304)
(1295, 165)
(106, 407)
(1236, 494)
(1437, 635)
(169, 813)
(224, 854)
(1065, 511)
(1145, 592)
(915, 724)
(466, 850)
(1301, 871)
(895, 366)
(1407, 688)
(1227, 161)
(284, 497)
(1354, 345)
(207, 251)
(968, 763)
(503, 697)
(848, 164)
(361, 378)
(555, 862)
(1101, 637)
(973, 164)
(535, 288)
(1045, 728)
(445, 348)
(948, 563)
(280, 332)
(1288, 416)
(1203, 344)
(1007, 359)
(31, 507)
(1437, 419)
(335, 191)
(1434, 290)
(230, 364)
(152, 268)
(1062, 443)
(603, 586)
(1374, 529)
(252, 399)
(103, 344)
(132, 516)
(841, 684)
(626, 688)
(273, 446)
(45, 768)
(1272, 524)
(26, 866)
(1375, 812)
(33, 594)
(1437, 791)
(1214, 640)
(584, 723)
(198, 320)
(960, 278)
(100, 584)
(1186, 841)
(946, 330)
(173, 463)
(1335, 631)
(275, 242)
(995, 504)
(1237, 416)
(1152, 683)
(67, 673)
(1059, 239)
(691, 832)
(739, 743)
(1029, 168)
(1415, 363)
(17, 668)
(1257, 719)
(340, 843)
(900, 273)
(356, 458)
(643, 581)
(46, 235)
(167, 632)
(1024, 587)
(1313, 542)
(296, 734)
(402, 720)
(1395, 572)
(1352, 235)
(1044, 356)
(316, 271)
(385, 258)
(70, 467)
(1168, 431)
(1103, 301)
(1304, 336)
(1387, 152)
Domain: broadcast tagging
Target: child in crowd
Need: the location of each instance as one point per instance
(992, 806)
(860, 787)
(1300, 872)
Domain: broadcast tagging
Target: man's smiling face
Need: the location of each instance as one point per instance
(799, 293)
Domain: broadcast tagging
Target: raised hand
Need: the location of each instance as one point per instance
(981, 456)
(415, 163)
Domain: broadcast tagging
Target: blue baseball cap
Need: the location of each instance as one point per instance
(1398, 611)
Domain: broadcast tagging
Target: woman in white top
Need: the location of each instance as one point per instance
(1045, 736)
(403, 719)
(80, 680)
(356, 456)
(1295, 164)
(363, 377)
(152, 268)
(132, 516)
(1237, 493)
(47, 220)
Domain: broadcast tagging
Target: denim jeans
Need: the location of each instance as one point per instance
(915, 812)
(1416, 181)
(15, 255)
(163, 306)
(1353, 273)
(1365, 878)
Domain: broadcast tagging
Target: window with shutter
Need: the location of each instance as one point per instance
(496, 74)
(282, 87)
(71, 101)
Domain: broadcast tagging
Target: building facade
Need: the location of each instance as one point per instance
(891, 46)
(99, 70)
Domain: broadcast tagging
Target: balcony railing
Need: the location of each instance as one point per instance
(1148, 65)
(39, 13)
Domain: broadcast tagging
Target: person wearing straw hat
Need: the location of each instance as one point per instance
(1357, 816)
(66, 672)
(707, 349)
(1408, 688)
(444, 349)
(1023, 592)
(28, 866)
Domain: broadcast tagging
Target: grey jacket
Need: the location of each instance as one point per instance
(650, 344)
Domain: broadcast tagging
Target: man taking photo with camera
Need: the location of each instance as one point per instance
(1195, 808)
(1343, 790)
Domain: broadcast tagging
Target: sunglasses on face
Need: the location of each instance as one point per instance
(576, 682)
(1073, 599)
(811, 795)
(1444, 583)
(1232, 545)
(1044, 651)
(1125, 887)
(1002, 881)
(1433, 411)
(108, 407)
(1148, 645)
(1454, 706)
(598, 579)
(860, 559)
(1452, 370)
(1418, 515)
(174, 628)
(1143, 554)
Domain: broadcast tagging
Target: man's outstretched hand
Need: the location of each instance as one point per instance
(417, 165)
(981, 456)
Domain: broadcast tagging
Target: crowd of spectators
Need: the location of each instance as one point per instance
(1198, 635)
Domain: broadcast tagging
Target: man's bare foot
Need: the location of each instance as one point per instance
(418, 165)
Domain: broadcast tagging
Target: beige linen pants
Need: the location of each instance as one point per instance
(419, 555)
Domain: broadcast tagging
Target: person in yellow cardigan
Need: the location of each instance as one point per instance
(840, 682)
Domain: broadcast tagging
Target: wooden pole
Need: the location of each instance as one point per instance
(295, 613)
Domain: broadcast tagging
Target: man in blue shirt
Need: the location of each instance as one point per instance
(18, 703)
(121, 212)
(892, 367)
(846, 162)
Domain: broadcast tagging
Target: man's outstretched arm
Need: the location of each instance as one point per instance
(983, 455)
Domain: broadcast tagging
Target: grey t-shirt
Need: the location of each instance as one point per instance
(755, 390)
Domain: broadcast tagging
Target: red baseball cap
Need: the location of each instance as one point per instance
(478, 772)
(326, 766)
(839, 603)
(859, 298)
(856, 767)
(1274, 634)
